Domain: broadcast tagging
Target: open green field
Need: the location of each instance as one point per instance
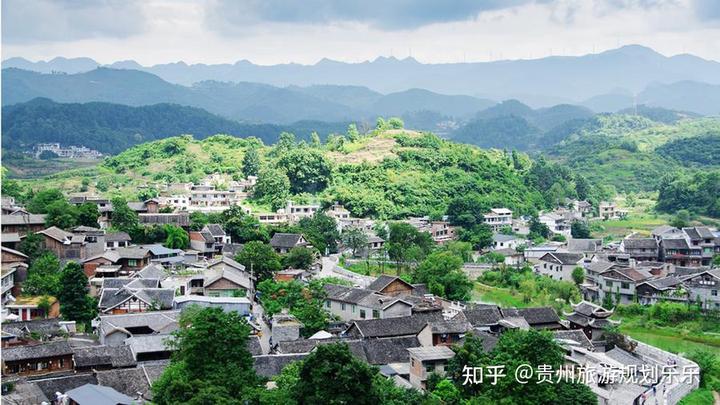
(672, 339)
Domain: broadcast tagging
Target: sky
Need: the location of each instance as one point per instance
(305, 31)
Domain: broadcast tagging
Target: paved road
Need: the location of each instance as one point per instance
(330, 268)
(265, 328)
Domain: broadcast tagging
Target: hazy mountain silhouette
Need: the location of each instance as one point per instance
(538, 82)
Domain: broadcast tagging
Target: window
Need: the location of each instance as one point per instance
(343, 306)
(376, 314)
(353, 308)
(713, 293)
(132, 262)
(327, 303)
(362, 313)
(625, 285)
(608, 283)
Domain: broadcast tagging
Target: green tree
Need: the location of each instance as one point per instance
(355, 239)
(479, 236)
(578, 275)
(681, 219)
(251, 162)
(442, 272)
(352, 133)
(273, 188)
(177, 238)
(75, 303)
(352, 379)
(538, 228)
(405, 243)
(32, 246)
(123, 218)
(321, 231)
(299, 258)
(315, 140)
(43, 199)
(579, 230)
(303, 301)
(709, 367)
(210, 362)
(243, 227)
(43, 276)
(448, 393)
(62, 215)
(308, 169)
(260, 258)
(88, 214)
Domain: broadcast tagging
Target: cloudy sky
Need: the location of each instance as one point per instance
(305, 31)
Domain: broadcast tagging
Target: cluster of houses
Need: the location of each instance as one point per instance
(69, 152)
(391, 324)
(672, 265)
(399, 327)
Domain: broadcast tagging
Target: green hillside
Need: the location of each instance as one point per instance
(392, 174)
(633, 153)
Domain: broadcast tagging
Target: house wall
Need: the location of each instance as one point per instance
(397, 288)
(38, 366)
(114, 339)
(425, 336)
(396, 310)
(707, 289)
(555, 271)
(627, 292)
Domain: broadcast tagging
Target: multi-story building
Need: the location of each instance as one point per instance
(497, 218)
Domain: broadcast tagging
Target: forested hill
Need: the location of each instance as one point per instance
(385, 174)
(112, 128)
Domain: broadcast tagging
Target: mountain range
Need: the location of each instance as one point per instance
(605, 81)
(243, 101)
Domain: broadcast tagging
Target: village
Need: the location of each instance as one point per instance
(402, 327)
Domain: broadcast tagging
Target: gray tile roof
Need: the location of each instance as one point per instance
(112, 297)
(623, 357)
(390, 327)
(539, 315)
(32, 219)
(432, 353)
(373, 351)
(269, 365)
(285, 240)
(675, 244)
(562, 258)
(483, 316)
(64, 384)
(640, 243)
(443, 327)
(44, 327)
(215, 229)
(575, 335)
(584, 245)
(117, 237)
(128, 381)
(51, 349)
(99, 356)
(96, 394)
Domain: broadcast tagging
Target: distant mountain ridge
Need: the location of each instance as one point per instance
(538, 82)
(244, 101)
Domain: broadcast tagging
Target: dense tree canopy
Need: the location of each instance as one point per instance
(260, 259)
(210, 362)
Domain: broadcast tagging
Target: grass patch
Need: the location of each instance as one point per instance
(674, 340)
(372, 269)
(701, 396)
(503, 297)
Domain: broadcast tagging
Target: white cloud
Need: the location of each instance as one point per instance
(178, 30)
